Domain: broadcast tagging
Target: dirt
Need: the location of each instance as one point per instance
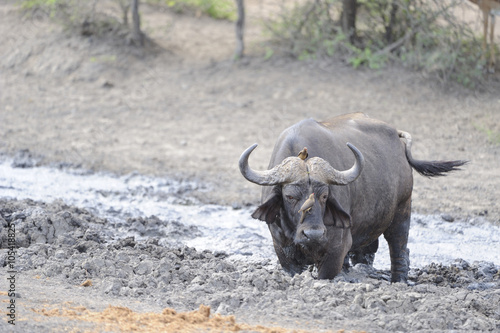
(129, 285)
(182, 108)
(168, 320)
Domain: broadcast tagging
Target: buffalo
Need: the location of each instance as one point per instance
(358, 180)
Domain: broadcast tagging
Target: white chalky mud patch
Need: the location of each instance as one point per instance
(221, 228)
(121, 198)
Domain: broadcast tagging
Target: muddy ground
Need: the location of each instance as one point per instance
(61, 247)
(181, 108)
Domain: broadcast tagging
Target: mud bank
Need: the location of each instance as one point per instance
(142, 238)
(69, 245)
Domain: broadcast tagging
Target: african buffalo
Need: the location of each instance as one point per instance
(349, 209)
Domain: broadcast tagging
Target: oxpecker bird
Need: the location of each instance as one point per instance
(307, 205)
(303, 154)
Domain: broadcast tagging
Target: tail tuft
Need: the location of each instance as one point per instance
(429, 168)
(435, 168)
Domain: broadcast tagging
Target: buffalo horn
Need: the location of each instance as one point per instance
(326, 173)
(285, 172)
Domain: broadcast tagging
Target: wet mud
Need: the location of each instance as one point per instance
(60, 241)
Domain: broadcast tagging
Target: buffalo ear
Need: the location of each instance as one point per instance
(269, 210)
(335, 215)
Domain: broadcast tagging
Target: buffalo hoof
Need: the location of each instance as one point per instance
(402, 279)
(396, 279)
(362, 258)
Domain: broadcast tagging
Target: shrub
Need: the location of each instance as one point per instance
(218, 9)
(423, 35)
(81, 16)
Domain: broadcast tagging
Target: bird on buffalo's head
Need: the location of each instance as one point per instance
(303, 154)
(307, 205)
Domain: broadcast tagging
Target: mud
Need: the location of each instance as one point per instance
(146, 207)
(68, 244)
(168, 320)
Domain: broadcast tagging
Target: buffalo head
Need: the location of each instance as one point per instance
(297, 181)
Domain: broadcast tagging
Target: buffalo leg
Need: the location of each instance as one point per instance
(346, 264)
(330, 266)
(365, 255)
(397, 238)
(287, 256)
(332, 262)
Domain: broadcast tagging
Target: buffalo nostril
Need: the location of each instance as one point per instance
(314, 233)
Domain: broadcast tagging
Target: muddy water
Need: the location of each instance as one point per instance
(123, 199)
(120, 199)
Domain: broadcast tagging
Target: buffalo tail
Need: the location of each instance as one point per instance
(429, 168)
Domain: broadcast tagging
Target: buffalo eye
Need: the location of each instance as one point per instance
(291, 198)
(323, 197)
